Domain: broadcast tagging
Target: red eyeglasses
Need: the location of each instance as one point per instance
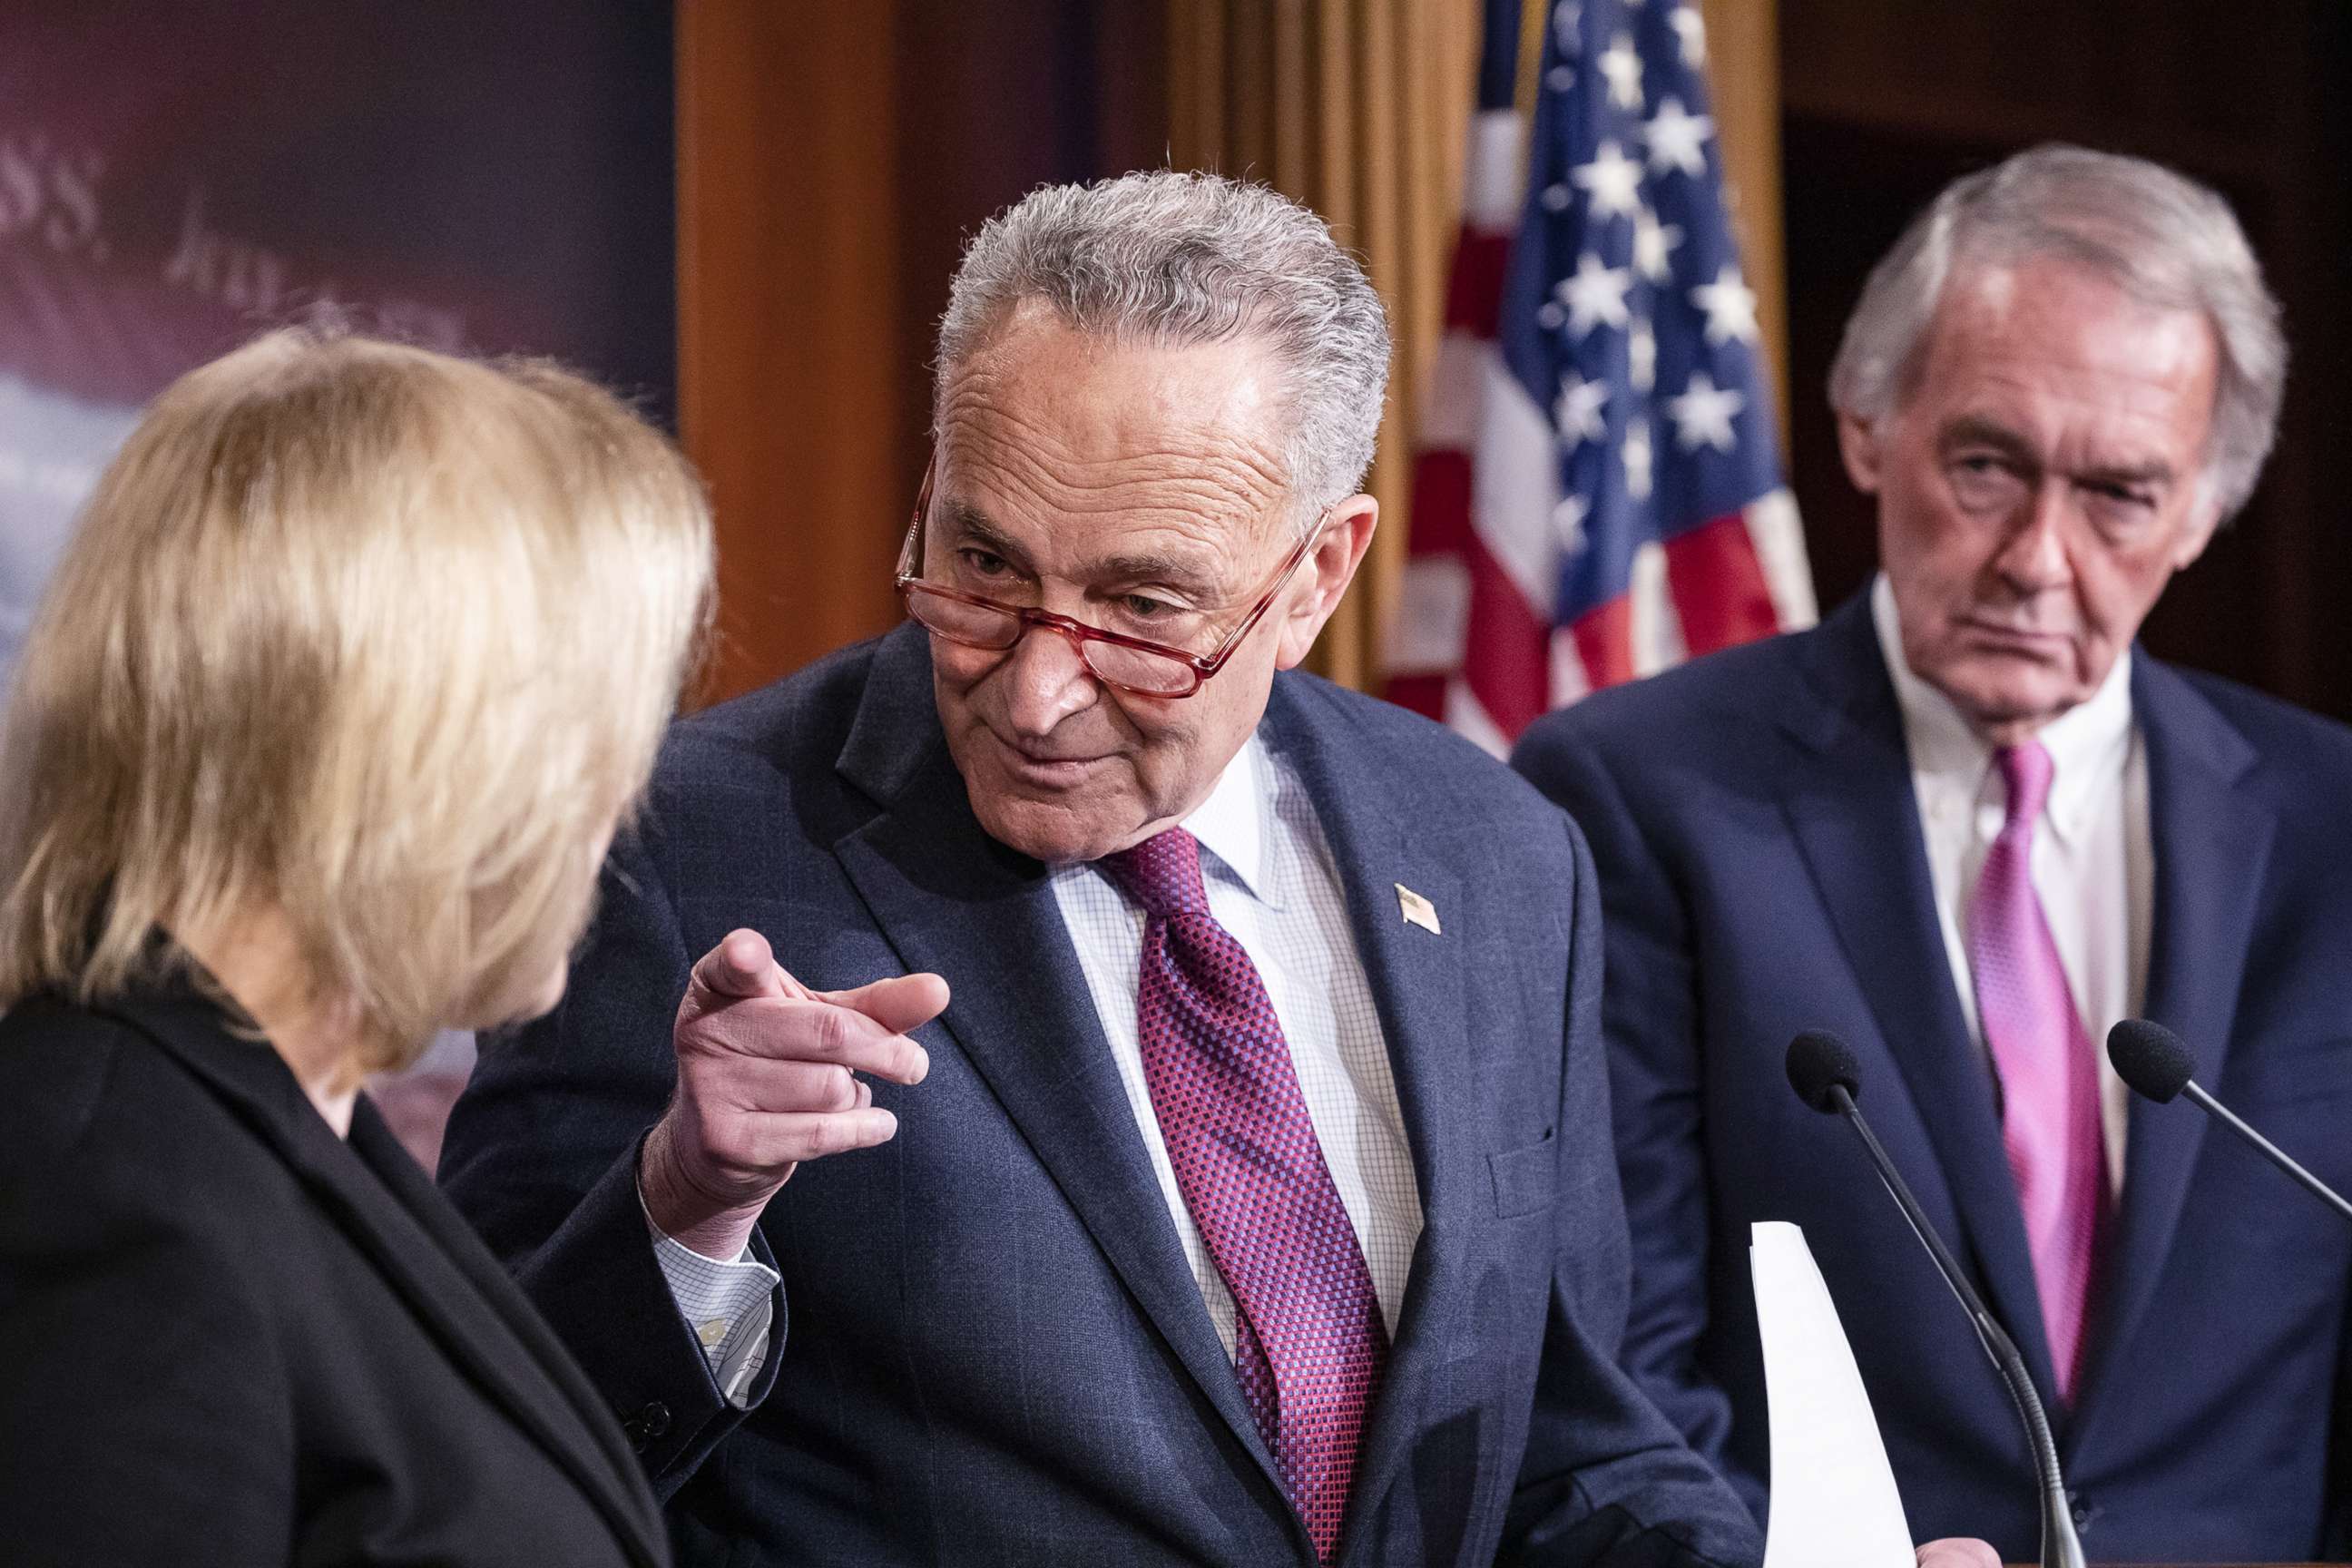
(1132, 664)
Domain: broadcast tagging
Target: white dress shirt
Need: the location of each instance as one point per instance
(2093, 861)
(1272, 885)
(729, 1304)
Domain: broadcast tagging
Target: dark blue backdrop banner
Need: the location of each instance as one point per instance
(175, 177)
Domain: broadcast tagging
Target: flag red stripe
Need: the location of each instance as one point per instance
(1508, 664)
(1424, 694)
(1717, 585)
(1441, 503)
(1604, 641)
(1474, 291)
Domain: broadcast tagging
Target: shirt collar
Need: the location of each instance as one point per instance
(2089, 744)
(1231, 823)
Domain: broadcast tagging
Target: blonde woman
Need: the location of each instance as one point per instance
(358, 658)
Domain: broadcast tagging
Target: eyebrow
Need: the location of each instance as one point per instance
(967, 523)
(971, 526)
(1977, 430)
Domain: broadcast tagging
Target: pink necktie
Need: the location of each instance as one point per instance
(2048, 1078)
(1310, 1344)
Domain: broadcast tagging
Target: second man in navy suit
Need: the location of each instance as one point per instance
(1967, 824)
(1249, 1202)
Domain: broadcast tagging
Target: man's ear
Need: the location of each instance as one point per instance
(1329, 567)
(2204, 521)
(1858, 445)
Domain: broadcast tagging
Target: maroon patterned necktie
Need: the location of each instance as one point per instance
(1310, 1343)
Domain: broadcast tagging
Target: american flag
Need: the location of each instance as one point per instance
(1597, 489)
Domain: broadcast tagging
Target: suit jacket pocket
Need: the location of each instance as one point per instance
(1524, 1177)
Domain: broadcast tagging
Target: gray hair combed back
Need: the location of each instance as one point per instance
(1179, 260)
(2165, 239)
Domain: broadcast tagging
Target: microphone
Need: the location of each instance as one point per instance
(1826, 1077)
(2153, 1061)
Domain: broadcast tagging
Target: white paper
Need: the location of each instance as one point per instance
(1833, 1499)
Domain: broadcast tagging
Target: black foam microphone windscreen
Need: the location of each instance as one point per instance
(2150, 1059)
(1818, 1062)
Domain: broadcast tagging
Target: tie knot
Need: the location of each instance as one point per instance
(2027, 771)
(1162, 874)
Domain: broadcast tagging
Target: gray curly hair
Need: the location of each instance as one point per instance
(2165, 239)
(1179, 259)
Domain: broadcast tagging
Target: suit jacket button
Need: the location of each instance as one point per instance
(651, 1421)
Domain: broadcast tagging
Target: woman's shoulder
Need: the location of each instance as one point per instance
(59, 1064)
(87, 1094)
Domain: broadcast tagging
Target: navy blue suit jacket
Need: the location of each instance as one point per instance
(1763, 872)
(989, 1346)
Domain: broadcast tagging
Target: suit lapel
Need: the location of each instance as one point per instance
(2212, 838)
(1856, 819)
(1416, 981)
(951, 899)
(256, 1085)
(374, 1142)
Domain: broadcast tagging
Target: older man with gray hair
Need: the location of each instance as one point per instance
(1249, 1203)
(1968, 826)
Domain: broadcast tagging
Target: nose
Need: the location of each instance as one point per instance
(2032, 559)
(1045, 681)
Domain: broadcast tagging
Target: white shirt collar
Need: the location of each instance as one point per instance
(1231, 823)
(2089, 744)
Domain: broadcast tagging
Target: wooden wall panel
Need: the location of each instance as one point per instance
(792, 344)
(832, 159)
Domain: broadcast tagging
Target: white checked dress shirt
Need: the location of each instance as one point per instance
(2093, 864)
(1272, 885)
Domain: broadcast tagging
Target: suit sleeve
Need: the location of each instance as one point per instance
(540, 1156)
(1607, 1482)
(146, 1410)
(1650, 1020)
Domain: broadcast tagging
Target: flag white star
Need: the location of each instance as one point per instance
(1559, 78)
(1730, 307)
(1636, 459)
(1595, 295)
(1578, 410)
(1654, 245)
(1642, 356)
(1691, 27)
(1622, 64)
(1556, 199)
(1567, 523)
(1703, 414)
(1677, 139)
(1567, 21)
(1612, 179)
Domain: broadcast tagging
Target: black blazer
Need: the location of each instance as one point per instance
(989, 1346)
(228, 1336)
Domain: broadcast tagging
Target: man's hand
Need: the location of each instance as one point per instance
(1958, 1552)
(766, 1079)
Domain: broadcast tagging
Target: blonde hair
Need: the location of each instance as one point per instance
(377, 639)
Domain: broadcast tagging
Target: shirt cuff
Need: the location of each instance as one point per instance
(729, 1306)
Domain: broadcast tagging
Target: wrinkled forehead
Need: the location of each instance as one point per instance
(1046, 427)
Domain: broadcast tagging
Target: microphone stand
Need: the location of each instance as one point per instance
(2059, 1546)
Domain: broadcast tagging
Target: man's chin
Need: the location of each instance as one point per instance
(1056, 832)
(2009, 703)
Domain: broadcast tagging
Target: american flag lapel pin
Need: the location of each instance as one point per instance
(1418, 910)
